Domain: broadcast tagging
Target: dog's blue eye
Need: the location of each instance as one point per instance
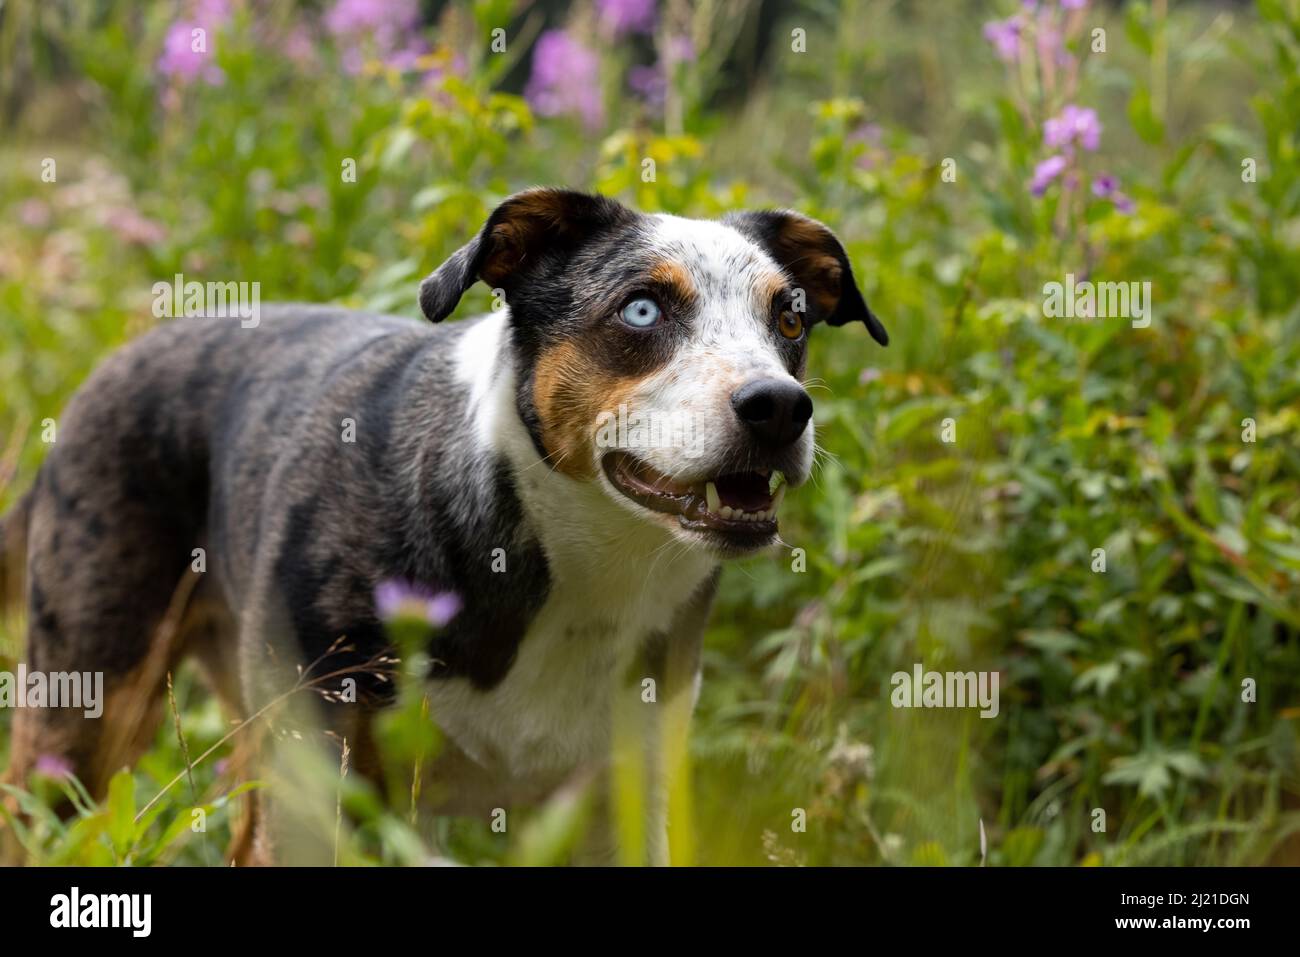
(641, 313)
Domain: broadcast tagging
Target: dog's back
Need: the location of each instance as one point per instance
(166, 448)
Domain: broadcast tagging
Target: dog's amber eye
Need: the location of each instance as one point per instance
(790, 324)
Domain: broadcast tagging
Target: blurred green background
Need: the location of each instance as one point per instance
(923, 134)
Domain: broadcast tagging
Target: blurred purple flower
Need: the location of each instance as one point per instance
(386, 20)
(405, 59)
(1104, 186)
(53, 766)
(399, 599)
(1050, 41)
(627, 16)
(565, 79)
(1045, 172)
(298, 45)
(869, 133)
(1074, 4)
(1107, 187)
(871, 136)
(180, 60)
(131, 227)
(679, 49)
(383, 23)
(212, 11)
(34, 213)
(1005, 37)
(1073, 124)
(649, 83)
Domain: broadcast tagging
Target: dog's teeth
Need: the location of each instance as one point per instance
(725, 511)
(711, 497)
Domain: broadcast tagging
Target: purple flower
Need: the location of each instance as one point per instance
(1074, 4)
(1107, 187)
(53, 766)
(385, 24)
(1005, 37)
(406, 59)
(565, 79)
(1045, 172)
(870, 135)
(180, 59)
(1073, 124)
(298, 46)
(1050, 42)
(679, 49)
(1104, 186)
(649, 83)
(34, 213)
(386, 20)
(187, 55)
(398, 599)
(627, 16)
(216, 12)
(131, 227)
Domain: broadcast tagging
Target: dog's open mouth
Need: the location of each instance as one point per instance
(741, 506)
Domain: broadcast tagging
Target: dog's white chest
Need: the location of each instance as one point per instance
(552, 712)
(615, 580)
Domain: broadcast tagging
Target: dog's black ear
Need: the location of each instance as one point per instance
(519, 231)
(815, 260)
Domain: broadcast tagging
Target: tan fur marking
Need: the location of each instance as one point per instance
(772, 284)
(674, 276)
(570, 396)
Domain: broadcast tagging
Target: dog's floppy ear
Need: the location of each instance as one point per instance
(521, 230)
(814, 258)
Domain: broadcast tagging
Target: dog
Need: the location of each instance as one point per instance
(583, 567)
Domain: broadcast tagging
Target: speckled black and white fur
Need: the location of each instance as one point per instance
(473, 471)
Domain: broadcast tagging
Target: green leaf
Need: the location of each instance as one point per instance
(1146, 124)
(121, 811)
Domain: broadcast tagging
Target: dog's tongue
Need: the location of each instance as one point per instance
(747, 491)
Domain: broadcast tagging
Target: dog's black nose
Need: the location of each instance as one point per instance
(776, 410)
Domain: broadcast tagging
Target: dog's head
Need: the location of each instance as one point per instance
(662, 357)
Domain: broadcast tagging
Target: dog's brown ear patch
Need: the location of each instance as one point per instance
(517, 233)
(569, 395)
(814, 258)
